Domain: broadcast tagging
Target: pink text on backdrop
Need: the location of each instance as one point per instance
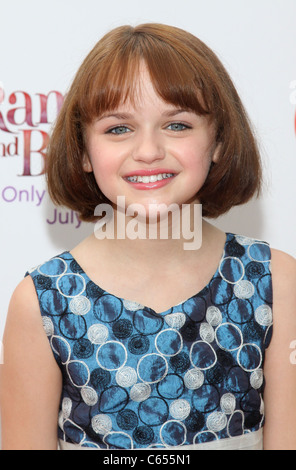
(24, 120)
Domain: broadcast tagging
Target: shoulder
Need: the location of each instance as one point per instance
(25, 340)
(24, 293)
(281, 259)
(279, 366)
(283, 267)
(24, 311)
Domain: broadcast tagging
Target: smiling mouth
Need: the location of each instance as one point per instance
(149, 179)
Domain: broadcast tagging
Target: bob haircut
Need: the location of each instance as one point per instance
(185, 73)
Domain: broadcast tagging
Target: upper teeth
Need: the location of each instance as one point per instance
(149, 179)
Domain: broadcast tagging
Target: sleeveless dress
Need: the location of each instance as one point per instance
(187, 378)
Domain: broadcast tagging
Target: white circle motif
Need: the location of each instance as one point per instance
(207, 332)
(140, 392)
(101, 424)
(48, 326)
(66, 407)
(132, 306)
(80, 305)
(216, 421)
(214, 316)
(180, 409)
(244, 290)
(194, 379)
(256, 379)
(89, 396)
(175, 320)
(126, 377)
(98, 333)
(227, 403)
(244, 240)
(263, 315)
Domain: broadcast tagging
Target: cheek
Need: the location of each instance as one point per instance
(199, 162)
(101, 163)
(105, 172)
(198, 167)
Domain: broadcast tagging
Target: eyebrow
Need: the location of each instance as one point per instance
(123, 116)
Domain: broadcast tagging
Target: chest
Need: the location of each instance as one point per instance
(159, 290)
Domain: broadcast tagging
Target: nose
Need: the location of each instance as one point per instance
(148, 147)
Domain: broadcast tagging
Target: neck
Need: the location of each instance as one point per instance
(150, 241)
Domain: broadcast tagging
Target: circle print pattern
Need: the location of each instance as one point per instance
(231, 269)
(169, 342)
(229, 337)
(134, 379)
(111, 355)
(152, 368)
(71, 285)
(202, 355)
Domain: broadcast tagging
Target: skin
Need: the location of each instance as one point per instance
(31, 381)
(151, 135)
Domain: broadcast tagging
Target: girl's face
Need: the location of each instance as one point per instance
(150, 152)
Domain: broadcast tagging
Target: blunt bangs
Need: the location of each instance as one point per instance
(113, 79)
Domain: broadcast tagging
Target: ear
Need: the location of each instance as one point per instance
(86, 163)
(216, 153)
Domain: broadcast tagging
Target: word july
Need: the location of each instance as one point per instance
(64, 218)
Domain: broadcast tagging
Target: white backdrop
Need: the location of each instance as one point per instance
(42, 43)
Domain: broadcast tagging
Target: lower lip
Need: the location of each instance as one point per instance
(154, 185)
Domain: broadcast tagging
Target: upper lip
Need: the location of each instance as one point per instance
(151, 171)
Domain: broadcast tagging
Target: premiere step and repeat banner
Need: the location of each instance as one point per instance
(41, 46)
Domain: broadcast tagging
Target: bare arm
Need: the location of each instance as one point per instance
(280, 368)
(30, 378)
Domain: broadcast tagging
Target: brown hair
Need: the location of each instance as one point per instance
(185, 73)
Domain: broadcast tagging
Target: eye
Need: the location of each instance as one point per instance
(177, 126)
(118, 130)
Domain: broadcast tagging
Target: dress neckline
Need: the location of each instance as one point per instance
(144, 307)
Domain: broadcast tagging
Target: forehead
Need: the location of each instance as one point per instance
(142, 93)
(140, 87)
(127, 76)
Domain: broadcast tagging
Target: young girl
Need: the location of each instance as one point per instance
(143, 343)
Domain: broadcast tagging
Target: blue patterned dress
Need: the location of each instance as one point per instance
(188, 377)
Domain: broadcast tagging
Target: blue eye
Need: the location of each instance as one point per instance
(118, 130)
(178, 126)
